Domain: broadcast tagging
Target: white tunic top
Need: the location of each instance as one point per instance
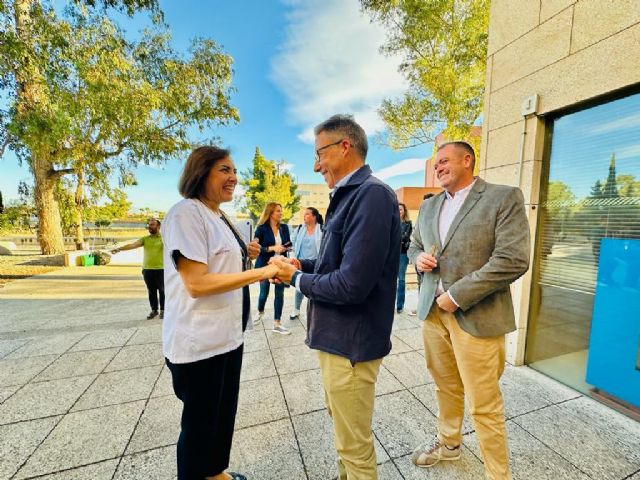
(198, 328)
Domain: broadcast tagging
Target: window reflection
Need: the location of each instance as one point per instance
(592, 192)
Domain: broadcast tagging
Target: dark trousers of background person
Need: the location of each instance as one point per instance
(402, 273)
(154, 279)
(278, 302)
(208, 390)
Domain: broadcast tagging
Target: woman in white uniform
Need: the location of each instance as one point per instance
(206, 311)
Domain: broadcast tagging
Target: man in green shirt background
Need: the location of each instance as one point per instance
(152, 266)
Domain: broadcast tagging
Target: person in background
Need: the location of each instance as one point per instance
(306, 246)
(405, 240)
(414, 312)
(152, 266)
(208, 271)
(273, 237)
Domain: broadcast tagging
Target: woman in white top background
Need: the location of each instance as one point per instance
(306, 245)
(206, 310)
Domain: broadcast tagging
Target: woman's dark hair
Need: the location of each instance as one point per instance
(314, 211)
(405, 216)
(196, 170)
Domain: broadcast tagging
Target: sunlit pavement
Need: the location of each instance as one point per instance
(84, 394)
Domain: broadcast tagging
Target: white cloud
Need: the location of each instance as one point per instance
(289, 167)
(404, 167)
(629, 151)
(625, 123)
(329, 63)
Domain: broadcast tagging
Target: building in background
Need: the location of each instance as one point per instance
(413, 197)
(562, 121)
(311, 195)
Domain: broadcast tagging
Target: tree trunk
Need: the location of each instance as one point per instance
(79, 203)
(49, 221)
(30, 98)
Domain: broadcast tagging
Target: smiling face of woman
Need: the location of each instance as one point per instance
(221, 182)
(276, 215)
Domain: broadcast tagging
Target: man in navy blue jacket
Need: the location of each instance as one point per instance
(351, 289)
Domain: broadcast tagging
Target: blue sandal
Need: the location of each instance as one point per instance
(237, 476)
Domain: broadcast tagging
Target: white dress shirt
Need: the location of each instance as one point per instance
(450, 208)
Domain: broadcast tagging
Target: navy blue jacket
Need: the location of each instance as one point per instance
(351, 286)
(266, 239)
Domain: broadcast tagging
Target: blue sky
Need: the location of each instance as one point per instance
(296, 63)
(584, 142)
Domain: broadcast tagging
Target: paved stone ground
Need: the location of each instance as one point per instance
(84, 395)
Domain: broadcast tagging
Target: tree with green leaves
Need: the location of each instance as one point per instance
(612, 208)
(610, 189)
(443, 44)
(17, 213)
(629, 186)
(86, 101)
(114, 204)
(596, 190)
(268, 181)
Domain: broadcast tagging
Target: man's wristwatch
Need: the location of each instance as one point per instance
(294, 276)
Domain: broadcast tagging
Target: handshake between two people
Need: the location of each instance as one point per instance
(281, 269)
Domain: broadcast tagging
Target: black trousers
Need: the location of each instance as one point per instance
(208, 390)
(154, 280)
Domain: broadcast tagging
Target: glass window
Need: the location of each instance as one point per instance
(591, 192)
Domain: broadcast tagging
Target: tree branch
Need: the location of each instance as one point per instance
(173, 124)
(5, 144)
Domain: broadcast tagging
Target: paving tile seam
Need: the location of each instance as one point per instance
(69, 469)
(136, 400)
(18, 347)
(542, 408)
(39, 444)
(391, 459)
(36, 382)
(254, 379)
(22, 385)
(132, 368)
(26, 420)
(135, 427)
(94, 381)
(429, 410)
(552, 449)
(262, 424)
(286, 404)
(9, 335)
(631, 475)
(65, 351)
(287, 374)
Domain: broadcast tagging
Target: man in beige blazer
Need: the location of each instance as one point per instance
(470, 243)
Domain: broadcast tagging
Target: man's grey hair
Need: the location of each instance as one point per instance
(347, 127)
(465, 146)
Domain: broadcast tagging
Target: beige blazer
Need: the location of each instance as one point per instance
(486, 249)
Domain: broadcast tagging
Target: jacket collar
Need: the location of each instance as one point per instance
(358, 177)
(476, 191)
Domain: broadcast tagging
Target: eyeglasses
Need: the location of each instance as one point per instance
(317, 157)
